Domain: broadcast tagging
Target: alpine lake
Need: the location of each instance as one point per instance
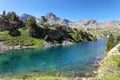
(76, 59)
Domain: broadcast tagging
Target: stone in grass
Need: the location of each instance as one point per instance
(80, 78)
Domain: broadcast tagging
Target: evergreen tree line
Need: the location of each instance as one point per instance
(112, 41)
(11, 22)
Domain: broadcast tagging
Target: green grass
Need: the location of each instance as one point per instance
(119, 49)
(23, 40)
(34, 76)
(37, 78)
(110, 76)
(113, 62)
(110, 68)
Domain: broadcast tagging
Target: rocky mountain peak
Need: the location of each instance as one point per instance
(25, 16)
(90, 21)
(51, 17)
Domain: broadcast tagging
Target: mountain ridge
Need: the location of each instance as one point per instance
(53, 19)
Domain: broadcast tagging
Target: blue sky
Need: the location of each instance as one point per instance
(100, 10)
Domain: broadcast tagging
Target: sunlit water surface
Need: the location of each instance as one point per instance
(60, 59)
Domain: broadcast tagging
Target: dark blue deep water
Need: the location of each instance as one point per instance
(74, 58)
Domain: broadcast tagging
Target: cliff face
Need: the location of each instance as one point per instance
(53, 19)
(60, 34)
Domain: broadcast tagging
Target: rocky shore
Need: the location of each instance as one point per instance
(49, 44)
(4, 47)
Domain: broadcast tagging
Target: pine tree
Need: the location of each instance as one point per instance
(31, 23)
(110, 42)
(14, 32)
(118, 39)
(4, 13)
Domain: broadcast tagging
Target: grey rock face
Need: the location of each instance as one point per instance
(53, 19)
(24, 17)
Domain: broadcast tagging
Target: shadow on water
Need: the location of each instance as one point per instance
(76, 59)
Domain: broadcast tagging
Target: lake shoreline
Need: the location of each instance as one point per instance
(45, 44)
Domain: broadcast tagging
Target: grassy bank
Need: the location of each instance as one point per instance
(23, 40)
(34, 76)
(46, 34)
(110, 66)
(25, 77)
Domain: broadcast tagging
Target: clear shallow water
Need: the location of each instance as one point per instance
(68, 59)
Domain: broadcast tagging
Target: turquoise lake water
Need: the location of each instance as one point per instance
(70, 59)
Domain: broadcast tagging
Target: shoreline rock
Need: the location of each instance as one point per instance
(4, 47)
(49, 44)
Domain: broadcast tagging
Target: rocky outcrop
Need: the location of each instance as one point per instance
(10, 25)
(60, 34)
(49, 44)
(4, 47)
(53, 19)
